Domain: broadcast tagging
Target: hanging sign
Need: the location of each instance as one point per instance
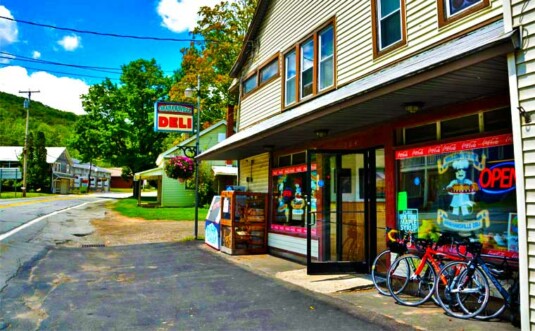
(173, 117)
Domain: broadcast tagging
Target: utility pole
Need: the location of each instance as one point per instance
(25, 151)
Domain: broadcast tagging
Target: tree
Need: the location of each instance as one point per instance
(118, 126)
(223, 29)
(38, 171)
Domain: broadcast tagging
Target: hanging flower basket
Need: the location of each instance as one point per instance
(180, 167)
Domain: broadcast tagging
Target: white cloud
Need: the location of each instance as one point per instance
(8, 29)
(6, 58)
(70, 43)
(181, 15)
(62, 93)
(36, 55)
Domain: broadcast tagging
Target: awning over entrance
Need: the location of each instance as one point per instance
(148, 174)
(466, 68)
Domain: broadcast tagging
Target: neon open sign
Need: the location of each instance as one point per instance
(498, 179)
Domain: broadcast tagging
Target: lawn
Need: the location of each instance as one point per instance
(12, 195)
(128, 207)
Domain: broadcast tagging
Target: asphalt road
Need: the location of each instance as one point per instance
(175, 286)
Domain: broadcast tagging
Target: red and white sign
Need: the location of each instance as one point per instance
(501, 140)
(173, 117)
(291, 169)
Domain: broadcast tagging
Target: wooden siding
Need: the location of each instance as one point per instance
(523, 13)
(292, 244)
(258, 171)
(174, 194)
(280, 30)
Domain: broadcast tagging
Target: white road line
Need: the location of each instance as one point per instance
(39, 219)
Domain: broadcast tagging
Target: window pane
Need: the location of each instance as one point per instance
(388, 6)
(421, 133)
(390, 30)
(290, 91)
(269, 71)
(290, 65)
(456, 6)
(326, 43)
(307, 55)
(249, 84)
(499, 119)
(459, 126)
(306, 82)
(326, 73)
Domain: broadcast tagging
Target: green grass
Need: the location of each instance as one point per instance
(11, 195)
(128, 207)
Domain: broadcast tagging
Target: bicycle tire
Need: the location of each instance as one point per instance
(496, 305)
(380, 267)
(407, 288)
(458, 301)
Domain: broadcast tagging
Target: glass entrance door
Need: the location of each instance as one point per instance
(342, 218)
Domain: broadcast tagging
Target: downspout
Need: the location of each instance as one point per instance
(519, 170)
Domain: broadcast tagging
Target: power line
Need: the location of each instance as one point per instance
(105, 33)
(110, 71)
(59, 72)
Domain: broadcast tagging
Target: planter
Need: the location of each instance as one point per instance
(181, 180)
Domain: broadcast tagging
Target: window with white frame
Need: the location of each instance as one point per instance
(326, 58)
(289, 78)
(389, 19)
(309, 67)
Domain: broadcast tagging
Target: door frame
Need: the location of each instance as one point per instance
(370, 214)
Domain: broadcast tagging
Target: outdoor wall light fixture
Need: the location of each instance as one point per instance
(413, 107)
(321, 133)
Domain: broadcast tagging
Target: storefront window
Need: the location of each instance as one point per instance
(466, 188)
(290, 194)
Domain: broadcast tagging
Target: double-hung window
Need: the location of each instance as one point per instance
(452, 10)
(326, 58)
(309, 66)
(289, 78)
(389, 27)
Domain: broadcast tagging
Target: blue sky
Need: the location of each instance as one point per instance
(61, 86)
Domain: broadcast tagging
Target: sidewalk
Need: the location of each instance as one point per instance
(356, 293)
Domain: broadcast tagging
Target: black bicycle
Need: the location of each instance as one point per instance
(466, 296)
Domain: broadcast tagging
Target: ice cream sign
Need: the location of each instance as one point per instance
(173, 117)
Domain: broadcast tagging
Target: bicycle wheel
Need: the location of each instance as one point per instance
(462, 297)
(405, 286)
(380, 267)
(496, 305)
(446, 279)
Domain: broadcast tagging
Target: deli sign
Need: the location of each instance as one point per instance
(173, 117)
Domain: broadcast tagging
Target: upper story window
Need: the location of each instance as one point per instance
(249, 84)
(289, 78)
(262, 75)
(389, 25)
(269, 71)
(326, 58)
(452, 10)
(309, 66)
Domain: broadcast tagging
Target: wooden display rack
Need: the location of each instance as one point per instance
(243, 222)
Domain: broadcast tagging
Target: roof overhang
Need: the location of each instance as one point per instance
(225, 171)
(466, 68)
(148, 174)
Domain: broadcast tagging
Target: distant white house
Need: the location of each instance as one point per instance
(100, 177)
(62, 178)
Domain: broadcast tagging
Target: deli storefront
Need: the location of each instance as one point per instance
(452, 172)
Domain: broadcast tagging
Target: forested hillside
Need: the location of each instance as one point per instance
(57, 125)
